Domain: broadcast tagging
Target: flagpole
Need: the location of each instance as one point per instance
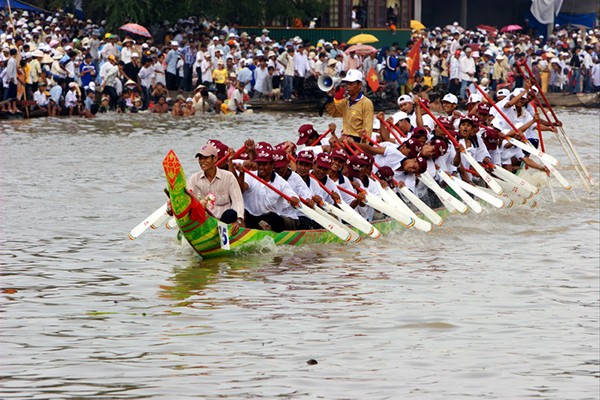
(12, 22)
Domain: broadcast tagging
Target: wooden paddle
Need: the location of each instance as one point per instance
(344, 211)
(480, 170)
(588, 176)
(525, 145)
(378, 204)
(335, 228)
(390, 197)
(393, 129)
(414, 199)
(316, 142)
(348, 214)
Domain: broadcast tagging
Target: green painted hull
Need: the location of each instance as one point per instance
(204, 237)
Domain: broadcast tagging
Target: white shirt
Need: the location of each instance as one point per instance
(316, 189)
(40, 98)
(207, 69)
(596, 74)
(298, 185)
(508, 154)
(344, 182)
(260, 200)
(261, 80)
(126, 54)
(236, 95)
(159, 73)
(146, 76)
(391, 157)
(373, 187)
(71, 99)
(467, 65)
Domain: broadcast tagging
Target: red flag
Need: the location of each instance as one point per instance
(414, 59)
(372, 80)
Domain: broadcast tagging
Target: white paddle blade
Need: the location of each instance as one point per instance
(483, 173)
(474, 205)
(576, 154)
(172, 223)
(331, 209)
(381, 206)
(514, 179)
(160, 221)
(532, 150)
(326, 223)
(561, 179)
(359, 221)
(474, 190)
(391, 198)
(514, 189)
(444, 196)
(354, 237)
(508, 199)
(148, 222)
(424, 208)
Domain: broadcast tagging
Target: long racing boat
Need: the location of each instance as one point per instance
(210, 237)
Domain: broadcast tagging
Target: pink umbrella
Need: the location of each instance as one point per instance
(136, 29)
(511, 28)
(361, 49)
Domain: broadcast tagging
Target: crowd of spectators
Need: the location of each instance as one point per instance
(59, 64)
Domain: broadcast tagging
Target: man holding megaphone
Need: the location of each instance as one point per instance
(356, 109)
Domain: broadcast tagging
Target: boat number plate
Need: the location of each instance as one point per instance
(223, 235)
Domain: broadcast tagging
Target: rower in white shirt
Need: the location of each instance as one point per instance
(266, 209)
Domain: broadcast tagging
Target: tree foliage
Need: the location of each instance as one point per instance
(241, 12)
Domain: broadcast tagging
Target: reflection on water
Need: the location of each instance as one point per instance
(498, 305)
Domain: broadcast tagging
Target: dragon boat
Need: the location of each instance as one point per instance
(211, 238)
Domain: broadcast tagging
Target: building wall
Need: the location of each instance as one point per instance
(489, 12)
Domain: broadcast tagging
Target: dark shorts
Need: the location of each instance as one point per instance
(10, 92)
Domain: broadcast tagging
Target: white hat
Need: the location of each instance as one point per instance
(215, 38)
(353, 75)
(503, 92)
(265, 30)
(399, 116)
(135, 55)
(404, 99)
(92, 86)
(189, 100)
(174, 43)
(376, 123)
(72, 85)
(450, 98)
(475, 98)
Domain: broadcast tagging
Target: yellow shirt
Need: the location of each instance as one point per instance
(220, 75)
(428, 80)
(356, 118)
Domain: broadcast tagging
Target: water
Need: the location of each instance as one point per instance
(502, 305)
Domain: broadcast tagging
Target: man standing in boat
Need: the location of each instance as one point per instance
(229, 204)
(356, 110)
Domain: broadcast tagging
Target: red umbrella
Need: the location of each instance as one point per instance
(136, 29)
(511, 28)
(361, 49)
(487, 28)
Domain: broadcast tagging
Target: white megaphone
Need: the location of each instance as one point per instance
(327, 82)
